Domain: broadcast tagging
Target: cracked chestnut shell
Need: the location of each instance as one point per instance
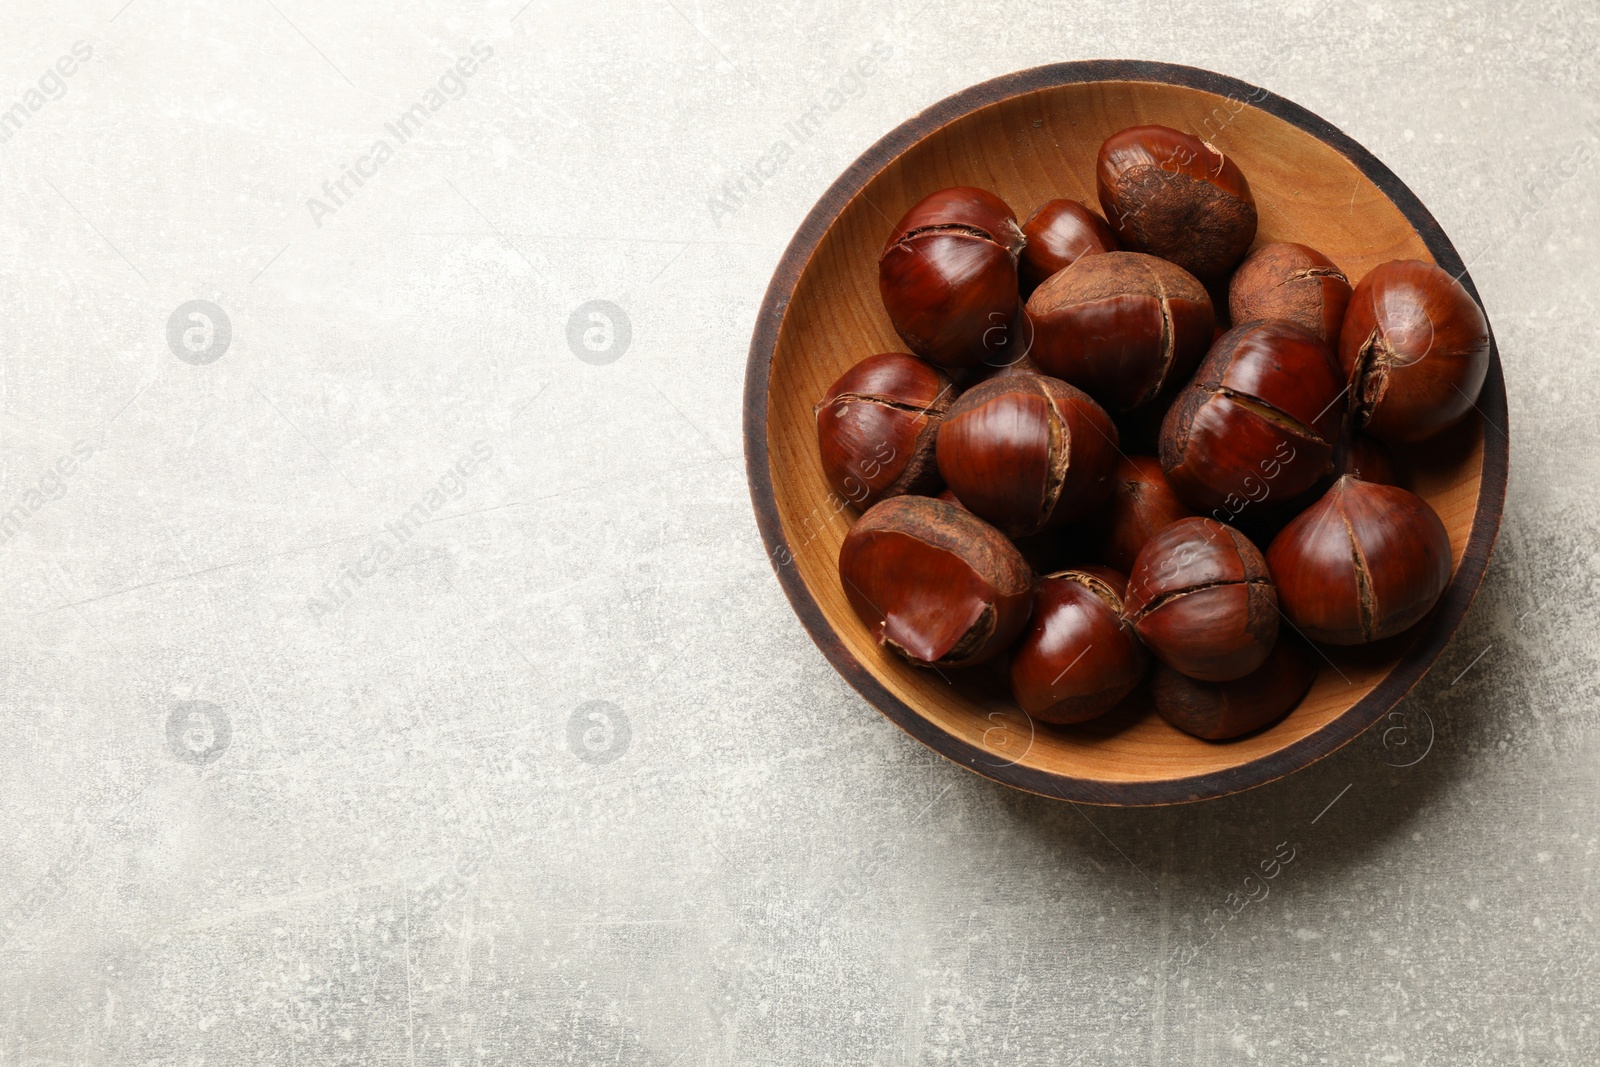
(1365, 562)
(1142, 504)
(1058, 235)
(1202, 600)
(1218, 711)
(935, 583)
(948, 276)
(1175, 196)
(1257, 422)
(876, 426)
(1027, 452)
(1121, 326)
(1292, 282)
(1415, 349)
(1078, 657)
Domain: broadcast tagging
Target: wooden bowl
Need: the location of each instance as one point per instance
(1030, 137)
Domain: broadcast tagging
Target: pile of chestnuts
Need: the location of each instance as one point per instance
(1134, 451)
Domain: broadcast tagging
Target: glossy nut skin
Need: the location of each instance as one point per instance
(1120, 326)
(1257, 423)
(1078, 656)
(1292, 282)
(1142, 504)
(1175, 196)
(1415, 348)
(1027, 452)
(1059, 234)
(1365, 562)
(876, 426)
(948, 276)
(934, 583)
(1219, 711)
(1201, 599)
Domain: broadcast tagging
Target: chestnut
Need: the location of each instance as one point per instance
(1141, 505)
(935, 583)
(1289, 281)
(1367, 458)
(1027, 452)
(948, 276)
(1120, 325)
(1201, 598)
(1258, 420)
(1217, 711)
(1173, 195)
(1415, 349)
(1058, 235)
(876, 426)
(1078, 656)
(1365, 562)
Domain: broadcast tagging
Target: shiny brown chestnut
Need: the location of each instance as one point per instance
(948, 276)
(1027, 452)
(1142, 504)
(1367, 458)
(1365, 562)
(1058, 235)
(1201, 598)
(876, 426)
(1120, 326)
(1218, 711)
(1289, 281)
(935, 583)
(1078, 656)
(1258, 421)
(1173, 195)
(1415, 349)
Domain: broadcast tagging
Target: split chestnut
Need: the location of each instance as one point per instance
(1079, 656)
(1121, 326)
(948, 276)
(876, 426)
(1415, 349)
(1027, 452)
(1201, 598)
(935, 583)
(1142, 504)
(1289, 281)
(1363, 563)
(1258, 421)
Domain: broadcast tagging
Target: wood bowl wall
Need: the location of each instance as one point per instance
(1031, 137)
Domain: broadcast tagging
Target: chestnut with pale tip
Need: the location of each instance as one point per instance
(1415, 349)
(1221, 711)
(1173, 195)
(1027, 452)
(1364, 563)
(1078, 657)
(948, 276)
(1121, 326)
(876, 427)
(1202, 600)
(1257, 422)
(1293, 282)
(934, 583)
(1059, 234)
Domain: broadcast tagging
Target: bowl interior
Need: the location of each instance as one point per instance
(1029, 149)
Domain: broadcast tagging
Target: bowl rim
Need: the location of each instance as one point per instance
(1338, 732)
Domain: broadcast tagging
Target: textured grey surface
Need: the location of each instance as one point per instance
(302, 646)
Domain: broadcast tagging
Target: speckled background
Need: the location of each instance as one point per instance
(391, 669)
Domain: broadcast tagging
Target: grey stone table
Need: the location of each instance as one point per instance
(391, 669)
